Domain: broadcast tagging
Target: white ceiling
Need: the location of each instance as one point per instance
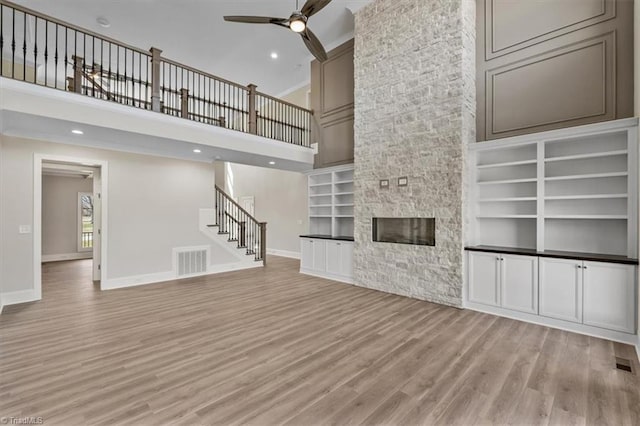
(194, 33)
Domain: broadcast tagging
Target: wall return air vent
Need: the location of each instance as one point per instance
(191, 261)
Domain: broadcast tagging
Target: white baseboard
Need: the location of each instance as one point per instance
(136, 280)
(327, 276)
(158, 277)
(284, 253)
(22, 296)
(66, 256)
(638, 349)
(230, 267)
(616, 336)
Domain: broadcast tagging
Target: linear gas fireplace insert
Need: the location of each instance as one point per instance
(419, 231)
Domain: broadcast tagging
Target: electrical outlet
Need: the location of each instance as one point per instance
(24, 229)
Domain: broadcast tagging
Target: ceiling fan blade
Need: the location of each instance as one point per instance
(311, 7)
(314, 45)
(257, 20)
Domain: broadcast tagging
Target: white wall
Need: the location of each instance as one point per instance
(153, 206)
(60, 213)
(280, 200)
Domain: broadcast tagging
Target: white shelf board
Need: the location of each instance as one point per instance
(508, 216)
(320, 216)
(509, 199)
(588, 217)
(586, 197)
(584, 156)
(320, 205)
(343, 193)
(321, 195)
(344, 205)
(506, 164)
(315, 185)
(497, 182)
(343, 182)
(350, 216)
(587, 176)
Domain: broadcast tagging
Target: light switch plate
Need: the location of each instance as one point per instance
(24, 229)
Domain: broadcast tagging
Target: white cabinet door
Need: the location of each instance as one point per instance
(319, 255)
(346, 266)
(609, 296)
(484, 278)
(519, 290)
(306, 253)
(333, 257)
(561, 289)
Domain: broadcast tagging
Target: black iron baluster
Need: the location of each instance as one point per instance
(35, 50)
(13, 46)
(24, 48)
(1, 38)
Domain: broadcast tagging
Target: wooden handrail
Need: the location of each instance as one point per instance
(73, 27)
(237, 205)
(203, 73)
(236, 221)
(280, 101)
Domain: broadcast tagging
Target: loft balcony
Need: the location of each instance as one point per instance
(116, 81)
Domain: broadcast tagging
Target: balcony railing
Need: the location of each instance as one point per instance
(46, 51)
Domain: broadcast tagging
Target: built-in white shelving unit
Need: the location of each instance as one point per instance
(566, 190)
(331, 202)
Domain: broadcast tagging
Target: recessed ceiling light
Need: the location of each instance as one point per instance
(103, 22)
(77, 132)
(272, 162)
(197, 151)
(274, 55)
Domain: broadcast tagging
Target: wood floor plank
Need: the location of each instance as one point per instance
(271, 346)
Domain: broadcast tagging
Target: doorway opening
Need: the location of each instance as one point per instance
(69, 223)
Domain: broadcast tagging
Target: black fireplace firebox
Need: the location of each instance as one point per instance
(419, 231)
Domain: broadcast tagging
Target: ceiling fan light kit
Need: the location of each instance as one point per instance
(297, 23)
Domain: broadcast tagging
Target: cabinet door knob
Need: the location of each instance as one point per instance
(584, 267)
(339, 244)
(579, 267)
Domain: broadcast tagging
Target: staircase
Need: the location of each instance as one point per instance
(240, 227)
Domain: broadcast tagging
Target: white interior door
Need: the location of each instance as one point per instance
(248, 203)
(97, 224)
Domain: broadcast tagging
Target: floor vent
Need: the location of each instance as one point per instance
(191, 261)
(624, 364)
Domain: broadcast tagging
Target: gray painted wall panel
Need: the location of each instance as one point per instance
(548, 64)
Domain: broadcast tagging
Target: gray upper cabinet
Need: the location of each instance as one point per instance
(332, 100)
(548, 64)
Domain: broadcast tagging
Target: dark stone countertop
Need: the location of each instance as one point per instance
(589, 257)
(327, 237)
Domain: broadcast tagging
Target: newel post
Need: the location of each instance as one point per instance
(263, 242)
(156, 104)
(253, 113)
(75, 83)
(184, 103)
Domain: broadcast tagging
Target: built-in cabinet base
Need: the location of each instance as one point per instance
(327, 258)
(594, 298)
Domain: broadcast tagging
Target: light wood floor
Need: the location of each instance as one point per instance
(271, 346)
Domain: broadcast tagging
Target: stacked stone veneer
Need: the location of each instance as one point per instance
(414, 114)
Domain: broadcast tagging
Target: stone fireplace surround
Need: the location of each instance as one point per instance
(414, 113)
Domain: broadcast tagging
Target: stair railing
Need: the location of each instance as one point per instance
(240, 226)
(46, 51)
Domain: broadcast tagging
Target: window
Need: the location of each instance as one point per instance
(85, 221)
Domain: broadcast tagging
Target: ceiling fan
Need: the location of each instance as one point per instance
(297, 23)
